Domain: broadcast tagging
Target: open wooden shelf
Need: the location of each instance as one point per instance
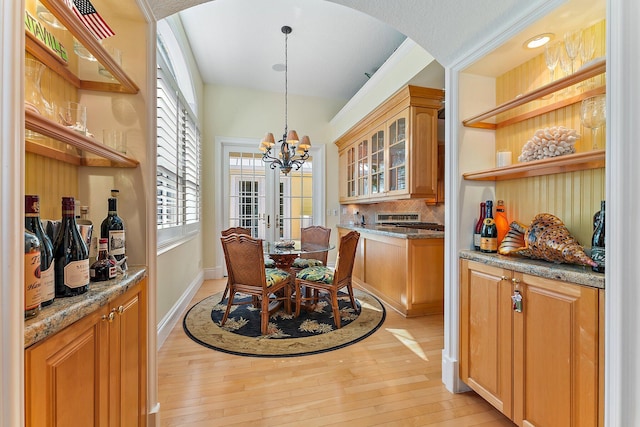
(596, 68)
(561, 164)
(67, 18)
(107, 156)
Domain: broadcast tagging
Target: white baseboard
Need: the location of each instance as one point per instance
(173, 316)
(450, 376)
(213, 273)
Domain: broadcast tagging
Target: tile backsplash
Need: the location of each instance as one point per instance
(428, 213)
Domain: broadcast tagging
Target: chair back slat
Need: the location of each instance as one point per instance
(346, 256)
(315, 235)
(242, 255)
(236, 230)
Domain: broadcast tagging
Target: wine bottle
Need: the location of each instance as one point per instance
(70, 254)
(32, 295)
(502, 223)
(597, 241)
(478, 229)
(489, 233)
(112, 228)
(47, 265)
(103, 268)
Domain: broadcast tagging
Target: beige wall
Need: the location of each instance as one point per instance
(249, 114)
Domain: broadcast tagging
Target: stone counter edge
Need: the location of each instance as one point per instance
(65, 311)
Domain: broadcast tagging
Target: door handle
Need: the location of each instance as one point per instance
(268, 221)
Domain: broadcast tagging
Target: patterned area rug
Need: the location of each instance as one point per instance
(312, 332)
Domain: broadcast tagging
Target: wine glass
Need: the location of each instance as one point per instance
(551, 56)
(588, 47)
(572, 44)
(593, 115)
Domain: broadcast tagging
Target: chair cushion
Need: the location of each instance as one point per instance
(306, 263)
(269, 263)
(275, 276)
(317, 274)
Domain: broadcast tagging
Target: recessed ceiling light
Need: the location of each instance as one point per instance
(538, 40)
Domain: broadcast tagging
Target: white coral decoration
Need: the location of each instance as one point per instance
(549, 142)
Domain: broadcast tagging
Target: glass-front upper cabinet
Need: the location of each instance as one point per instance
(397, 134)
(377, 161)
(363, 167)
(351, 172)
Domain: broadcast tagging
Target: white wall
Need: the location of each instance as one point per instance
(402, 66)
(245, 113)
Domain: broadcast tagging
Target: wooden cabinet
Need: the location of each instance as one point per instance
(541, 366)
(393, 152)
(94, 371)
(408, 274)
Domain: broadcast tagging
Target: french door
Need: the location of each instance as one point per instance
(272, 205)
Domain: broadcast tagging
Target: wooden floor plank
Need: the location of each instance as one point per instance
(390, 378)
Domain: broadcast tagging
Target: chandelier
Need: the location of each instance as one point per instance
(293, 151)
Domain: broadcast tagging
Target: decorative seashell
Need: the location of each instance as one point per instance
(546, 238)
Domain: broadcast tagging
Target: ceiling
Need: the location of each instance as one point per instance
(335, 42)
(330, 50)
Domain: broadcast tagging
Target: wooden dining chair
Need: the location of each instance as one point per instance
(328, 280)
(228, 231)
(315, 235)
(244, 257)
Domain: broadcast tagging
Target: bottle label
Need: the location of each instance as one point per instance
(32, 288)
(489, 221)
(76, 274)
(476, 240)
(598, 255)
(48, 282)
(116, 242)
(489, 244)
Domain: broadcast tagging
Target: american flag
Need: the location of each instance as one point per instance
(90, 17)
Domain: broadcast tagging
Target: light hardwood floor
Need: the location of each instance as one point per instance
(391, 378)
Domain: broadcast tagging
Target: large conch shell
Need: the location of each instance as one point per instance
(546, 238)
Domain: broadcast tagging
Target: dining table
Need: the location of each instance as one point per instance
(284, 253)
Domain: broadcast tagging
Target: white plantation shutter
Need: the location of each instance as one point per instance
(178, 162)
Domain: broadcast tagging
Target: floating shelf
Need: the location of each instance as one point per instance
(108, 157)
(67, 18)
(596, 68)
(561, 164)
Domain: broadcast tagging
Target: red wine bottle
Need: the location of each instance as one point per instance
(489, 233)
(112, 228)
(32, 295)
(33, 224)
(71, 255)
(597, 241)
(103, 268)
(478, 229)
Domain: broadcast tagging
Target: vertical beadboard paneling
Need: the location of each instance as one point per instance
(573, 197)
(61, 180)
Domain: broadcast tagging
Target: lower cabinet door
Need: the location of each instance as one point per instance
(128, 359)
(486, 333)
(555, 354)
(67, 377)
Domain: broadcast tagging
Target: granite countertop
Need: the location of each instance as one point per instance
(64, 311)
(393, 231)
(578, 274)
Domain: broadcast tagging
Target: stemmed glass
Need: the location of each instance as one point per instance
(593, 115)
(573, 44)
(551, 56)
(588, 45)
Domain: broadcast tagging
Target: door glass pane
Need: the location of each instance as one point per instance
(295, 203)
(246, 191)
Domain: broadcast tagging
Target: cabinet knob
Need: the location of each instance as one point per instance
(504, 278)
(108, 317)
(516, 281)
(120, 309)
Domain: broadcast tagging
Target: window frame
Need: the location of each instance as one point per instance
(187, 176)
